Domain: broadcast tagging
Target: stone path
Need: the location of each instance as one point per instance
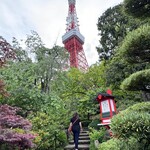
(84, 142)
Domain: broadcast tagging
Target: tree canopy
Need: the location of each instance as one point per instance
(137, 8)
(138, 81)
(136, 45)
(113, 26)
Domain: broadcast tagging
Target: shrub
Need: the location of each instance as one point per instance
(14, 129)
(133, 123)
(97, 135)
(121, 144)
(112, 144)
(94, 125)
(50, 133)
(86, 123)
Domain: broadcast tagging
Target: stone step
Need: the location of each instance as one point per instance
(84, 134)
(84, 137)
(85, 131)
(84, 142)
(80, 142)
(80, 147)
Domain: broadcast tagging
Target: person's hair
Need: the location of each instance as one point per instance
(75, 115)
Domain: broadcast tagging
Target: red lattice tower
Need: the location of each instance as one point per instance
(74, 40)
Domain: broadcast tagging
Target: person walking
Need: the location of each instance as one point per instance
(76, 125)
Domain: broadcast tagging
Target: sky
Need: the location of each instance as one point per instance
(48, 18)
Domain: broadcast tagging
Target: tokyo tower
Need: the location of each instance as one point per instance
(73, 40)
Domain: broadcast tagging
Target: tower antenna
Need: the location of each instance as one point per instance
(73, 40)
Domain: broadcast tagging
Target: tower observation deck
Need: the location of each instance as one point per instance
(73, 40)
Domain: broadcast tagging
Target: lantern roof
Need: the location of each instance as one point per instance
(106, 95)
(102, 96)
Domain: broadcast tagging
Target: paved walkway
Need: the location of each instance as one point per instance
(84, 142)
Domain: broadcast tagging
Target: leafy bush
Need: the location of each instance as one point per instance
(94, 123)
(133, 123)
(134, 120)
(9, 137)
(135, 47)
(137, 81)
(130, 129)
(112, 144)
(50, 133)
(85, 123)
(97, 135)
(121, 144)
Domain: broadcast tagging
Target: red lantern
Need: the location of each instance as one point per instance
(107, 107)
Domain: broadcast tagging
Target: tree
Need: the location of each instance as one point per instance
(29, 84)
(137, 9)
(20, 53)
(10, 122)
(138, 81)
(136, 45)
(49, 61)
(6, 52)
(79, 89)
(113, 26)
(136, 49)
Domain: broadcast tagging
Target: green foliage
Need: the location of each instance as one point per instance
(124, 99)
(20, 77)
(79, 89)
(120, 144)
(135, 47)
(113, 26)
(94, 123)
(131, 127)
(112, 72)
(117, 65)
(112, 144)
(137, 8)
(131, 143)
(30, 87)
(133, 123)
(137, 81)
(85, 123)
(140, 107)
(97, 135)
(50, 133)
(20, 54)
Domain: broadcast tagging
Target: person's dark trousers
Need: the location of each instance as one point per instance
(76, 138)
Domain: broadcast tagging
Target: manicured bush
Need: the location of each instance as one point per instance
(134, 120)
(133, 123)
(120, 144)
(137, 81)
(135, 47)
(112, 144)
(130, 129)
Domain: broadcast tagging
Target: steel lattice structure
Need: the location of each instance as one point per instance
(74, 40)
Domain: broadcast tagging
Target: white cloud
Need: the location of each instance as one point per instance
(48, 18)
